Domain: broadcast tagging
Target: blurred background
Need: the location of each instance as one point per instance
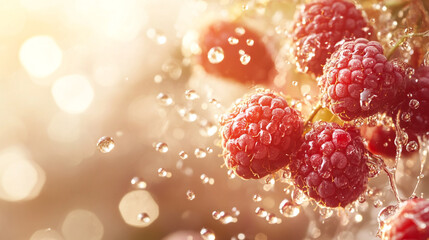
(109, 131)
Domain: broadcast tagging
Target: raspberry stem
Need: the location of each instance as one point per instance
(312, 114)
(402, 40)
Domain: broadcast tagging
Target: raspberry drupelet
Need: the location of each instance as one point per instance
(415, 105)
(358, 81)
(246, 58)
(319, 26)
(410, 221)
(259, 134)
(331, 165)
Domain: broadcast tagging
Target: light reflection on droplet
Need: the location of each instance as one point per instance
(200, 153)
(144, 217)
(82, 224)
(161, 147)
(135, 203)
(73, 93)
(215, 55)
(190, 195)
(105, 144)
(207, 234)
(40, 56)
(138, 183)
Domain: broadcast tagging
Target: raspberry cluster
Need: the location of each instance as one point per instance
(319, 26)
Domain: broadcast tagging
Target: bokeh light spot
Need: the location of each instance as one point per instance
(82, 225)
(73, 93)
(135, 203)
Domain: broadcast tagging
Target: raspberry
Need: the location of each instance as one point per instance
(330, 166)
(319, 26)
(409, 222)
(414, 108)
(259, 134)
(239, 45)
(358, 81)
(381, 141)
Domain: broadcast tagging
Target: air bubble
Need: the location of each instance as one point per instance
(200, 153)
(207, 234)
(412, 146)
(161, 147)
(215, 55)
(183, 155)
(232, 40)
(164, 99)
(190, 195)
(406, 116)
(245, 59)
(298, 196)
(288, 209)
(378, 203)
(414, 104)
(105, 144)
(143, 217)
(191, 94)
(250, 42)
(138, 183)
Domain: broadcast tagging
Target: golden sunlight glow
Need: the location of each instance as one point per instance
(73, 94)
(40, 56)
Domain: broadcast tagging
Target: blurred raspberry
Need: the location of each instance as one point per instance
(414, 116)
(246, 58)
(259, 134)
(358, 81)
(319, 26)
(381, 141)
(330, 166)
(409, 222)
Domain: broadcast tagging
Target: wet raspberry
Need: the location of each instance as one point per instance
(414, 115)
(358, 81)
(330, 166)
(409, 222)
(246, 58)
(319, 26)
(259, 134)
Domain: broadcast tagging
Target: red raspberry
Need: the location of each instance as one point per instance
(358, 81)
(409, 222)
(259, 134)
(319, 26)
(330, 166)
(414, 108)
(381, 141)
(236, 41)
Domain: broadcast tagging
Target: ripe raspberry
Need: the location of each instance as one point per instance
(246, 59)
(259, 134)
(358, 81)
(319, 26)
(409, 222)
(414, 108)
(330, 166)
(381, 141)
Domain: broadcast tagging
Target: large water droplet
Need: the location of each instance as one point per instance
(245, 59)
(250, 42)
(105, 144)
(232, 40)
(288, 209)
(412, 146)
(215, 55)
(298, 196)
(183, 155)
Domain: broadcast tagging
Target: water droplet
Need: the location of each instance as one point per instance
(273, 219)
(406, 116)
(200, 153)
(191, 95)
(260, 212)
(294, 83)
(245, 59)
(138, 183)
(209, 150)
(233, 40)
(217, 215)
(288, 209)
(215, 55)
(378, 203)
(235, 211)
(231, 174)
(164, 99)
(156, 35)
(105, 144)
(298, 196)
(226, 218)
(188, 115)
(414, 103)
(412, 146)
(144, 217)
(250, 42)
(161, 147)
(190, 195)
(183, 155)
(358, 218)
(385, 213)
(163, 173)
(374, 169)
(208, 129)
(173, 68)
(158, 78)
(207, 234)
(257, 198)
(240, 31)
